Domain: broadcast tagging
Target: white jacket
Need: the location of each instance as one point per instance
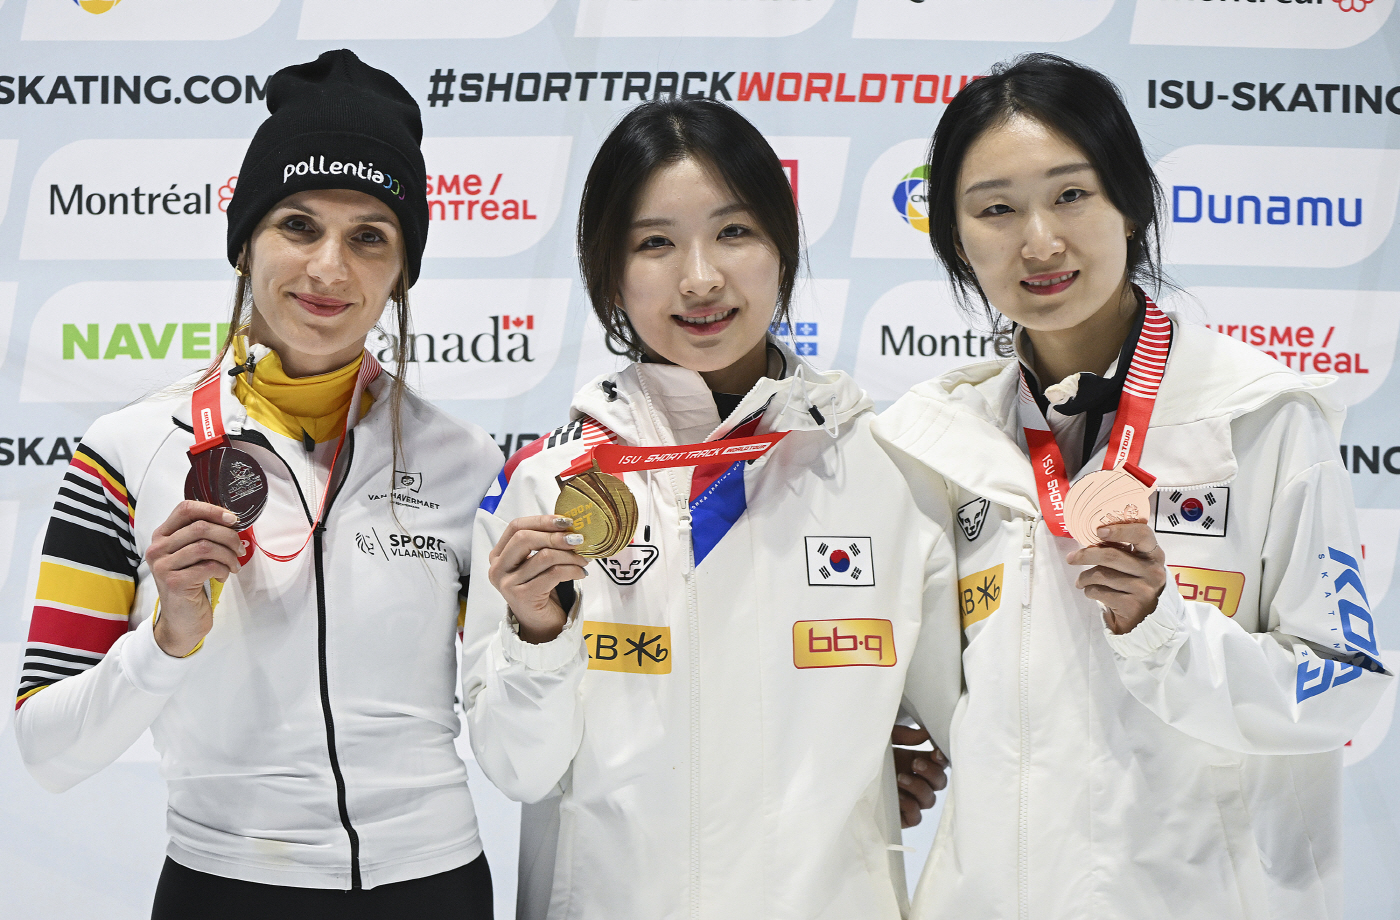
(709, 751)
(355, 637)
(1190, 769)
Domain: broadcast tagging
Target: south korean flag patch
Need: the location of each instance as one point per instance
(1198, 512)
(845, 561)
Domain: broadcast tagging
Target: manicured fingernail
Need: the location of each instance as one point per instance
(563, 522)
(230, 517)
(921, 764)
(1103, 533)
(574, 539)
(905, 779)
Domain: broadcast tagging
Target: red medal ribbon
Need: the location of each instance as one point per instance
(614, 458)
(1144, 378)
(208, 423)
(205, 417)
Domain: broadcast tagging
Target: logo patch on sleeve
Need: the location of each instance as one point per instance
(972, 516)
(843, 643)
(979, 594)
(846, 561)
(627, 648)
(1213, 586)
(1198, 512)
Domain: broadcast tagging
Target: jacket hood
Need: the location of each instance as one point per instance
(685, 407)
(1210, 381)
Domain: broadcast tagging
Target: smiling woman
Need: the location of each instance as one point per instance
(212, 569)
(709, 693)
(1125, 740)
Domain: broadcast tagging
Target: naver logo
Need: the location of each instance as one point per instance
(94, 341)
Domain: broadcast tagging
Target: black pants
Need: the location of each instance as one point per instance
(459, 894)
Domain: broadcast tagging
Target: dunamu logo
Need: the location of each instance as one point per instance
(318, 167)
(1187, 208)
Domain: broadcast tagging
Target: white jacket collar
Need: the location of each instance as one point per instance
(964, 423)
(665, 404)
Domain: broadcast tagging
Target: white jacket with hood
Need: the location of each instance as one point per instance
(1190, 769)
(710, 734)
(309, 742)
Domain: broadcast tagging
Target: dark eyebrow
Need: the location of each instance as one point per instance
(724, 211)
(1049, 174)
(372, 217)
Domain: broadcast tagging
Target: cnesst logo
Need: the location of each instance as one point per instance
(97, 6)
(892, 219)
(911, 198)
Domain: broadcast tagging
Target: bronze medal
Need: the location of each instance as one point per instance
(1104, 497)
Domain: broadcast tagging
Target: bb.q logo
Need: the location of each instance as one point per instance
(1353, 6)
(102, 6)
(911, 199)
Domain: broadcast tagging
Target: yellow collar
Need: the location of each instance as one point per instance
(292, 406)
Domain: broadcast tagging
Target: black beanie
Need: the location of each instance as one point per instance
(336, 123)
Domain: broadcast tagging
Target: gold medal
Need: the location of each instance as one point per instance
(603, 511)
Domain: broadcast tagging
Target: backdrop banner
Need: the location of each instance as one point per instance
(1274, 126)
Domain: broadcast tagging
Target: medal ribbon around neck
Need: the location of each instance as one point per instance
(1144, 378)
(604, 510)
(614, 458)
(212, 446)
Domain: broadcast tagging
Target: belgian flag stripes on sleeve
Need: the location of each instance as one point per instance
(87, 575)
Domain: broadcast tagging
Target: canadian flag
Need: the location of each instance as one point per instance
(509, 322)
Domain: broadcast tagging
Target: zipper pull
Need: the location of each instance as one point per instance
(1027, 554)
(307, 441)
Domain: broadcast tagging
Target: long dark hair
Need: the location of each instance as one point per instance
(1083, 106)
(656, 134)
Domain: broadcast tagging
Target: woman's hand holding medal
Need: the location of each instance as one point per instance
(196, 543)
(533, 556)
(1127, 576)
